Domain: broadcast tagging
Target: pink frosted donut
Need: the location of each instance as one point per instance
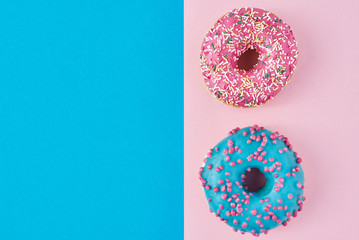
(232, 35)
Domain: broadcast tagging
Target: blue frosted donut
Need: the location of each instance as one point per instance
(230, 196)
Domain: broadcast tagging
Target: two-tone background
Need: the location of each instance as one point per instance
(104, 118)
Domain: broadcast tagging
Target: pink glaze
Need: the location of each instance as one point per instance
(231, 36)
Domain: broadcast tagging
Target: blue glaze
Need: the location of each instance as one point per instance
(291, 185)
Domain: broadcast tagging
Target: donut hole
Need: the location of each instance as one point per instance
(254, 180)
(248, 59)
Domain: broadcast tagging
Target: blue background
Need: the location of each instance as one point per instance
(91, 120)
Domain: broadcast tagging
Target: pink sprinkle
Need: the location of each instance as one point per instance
(228, 213)
(279, 221)
(254, 212)
(225, 151)
(215, 189)
(288, 214)
(231, 150)
(280, 151)
(248, 218)
(218, 169)
(233, 204)
(266, 208)
(277, 189)
(244, 133)
(232, 164)
(239, 150)
(244, 225)
(227, 174)
(233, 212)
(280, 200)
(266, 217)
(246, 202)
(258, 138)
(280, 208)
(281, 180)
(253, 137)
(271, 159)
(230, 143)
(249, 141)
(209, 199)
(224, 196)
(290, 196)
(274, 217)
(239, 161)
(235, 221)
(223, 188)
(288, 174)
(227, 158)
(258, 222)
(299, 160)
(209, 166)
(208, 187)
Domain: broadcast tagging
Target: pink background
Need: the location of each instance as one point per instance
(317, 111)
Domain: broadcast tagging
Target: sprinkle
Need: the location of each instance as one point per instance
(213, 46)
